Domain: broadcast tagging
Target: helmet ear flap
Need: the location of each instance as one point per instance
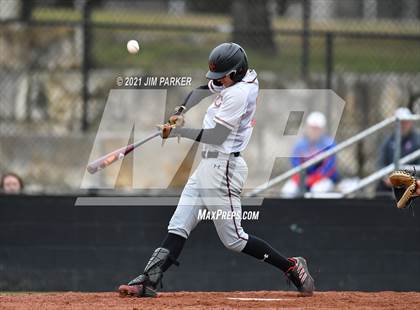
(239, 74)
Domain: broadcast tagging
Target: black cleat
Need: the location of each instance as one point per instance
(139, 287)
(146, 284)
(139, 290)
(299, 275)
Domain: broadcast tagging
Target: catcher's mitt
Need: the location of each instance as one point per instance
(404, 185)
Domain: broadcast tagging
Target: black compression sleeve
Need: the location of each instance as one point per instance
(174, 243)
(261, 250)
(216, 135)
(194, 97)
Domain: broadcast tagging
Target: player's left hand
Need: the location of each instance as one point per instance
(177, 120)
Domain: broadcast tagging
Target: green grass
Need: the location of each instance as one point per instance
(377, 56)
(163, 18)
(124, 16)
(176, 51)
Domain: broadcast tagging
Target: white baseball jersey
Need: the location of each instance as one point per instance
(234, 108)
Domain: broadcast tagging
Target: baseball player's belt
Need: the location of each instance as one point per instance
(215, 154)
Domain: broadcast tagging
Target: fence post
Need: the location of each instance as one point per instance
(86, 10)
(397, 140)
(302, 183)
(306, 13)
(26, 10)
(329, 70)
(329, 59)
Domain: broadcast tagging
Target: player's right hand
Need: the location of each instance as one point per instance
(165, 130)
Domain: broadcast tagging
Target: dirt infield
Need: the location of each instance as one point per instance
(213, 300)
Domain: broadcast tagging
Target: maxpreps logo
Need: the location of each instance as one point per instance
(132, 115)
(205, 214)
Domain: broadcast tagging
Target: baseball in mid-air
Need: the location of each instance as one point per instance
(133, 46)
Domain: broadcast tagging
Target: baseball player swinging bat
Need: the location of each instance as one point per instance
(218, 180)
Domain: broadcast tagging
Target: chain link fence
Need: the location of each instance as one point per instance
(58, 61)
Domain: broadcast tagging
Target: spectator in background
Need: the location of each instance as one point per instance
(321, 177)
(410, 141)
(11, 183)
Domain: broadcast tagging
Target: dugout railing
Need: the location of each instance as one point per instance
(398, 161)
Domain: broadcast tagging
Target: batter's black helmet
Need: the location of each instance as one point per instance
(227, 59)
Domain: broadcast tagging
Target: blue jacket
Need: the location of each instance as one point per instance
(304, 151)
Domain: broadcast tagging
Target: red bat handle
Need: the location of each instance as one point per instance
(108, 159)
(112, 157)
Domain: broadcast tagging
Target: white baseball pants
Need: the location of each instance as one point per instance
(215, 185)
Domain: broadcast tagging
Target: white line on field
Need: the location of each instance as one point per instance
(258, 299)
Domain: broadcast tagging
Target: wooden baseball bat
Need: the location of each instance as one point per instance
(119, 154)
